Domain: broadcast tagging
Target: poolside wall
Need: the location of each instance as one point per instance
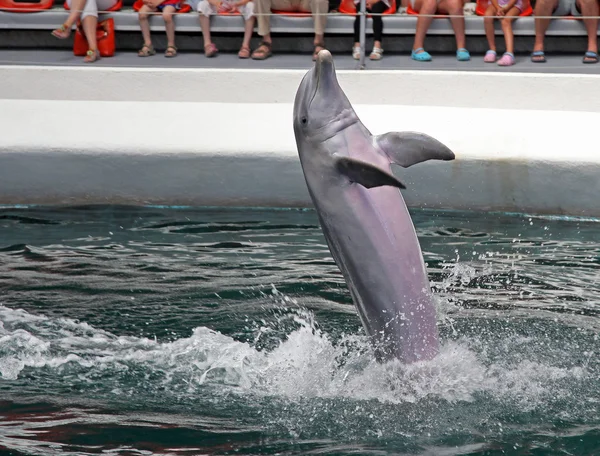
(524, 142)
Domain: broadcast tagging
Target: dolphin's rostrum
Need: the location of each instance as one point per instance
(363, 216)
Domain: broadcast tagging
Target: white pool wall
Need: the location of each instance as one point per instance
(86, 135)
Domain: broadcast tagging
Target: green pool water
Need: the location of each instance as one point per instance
(157, 331)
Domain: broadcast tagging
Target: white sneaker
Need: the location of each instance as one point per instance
(356, 52)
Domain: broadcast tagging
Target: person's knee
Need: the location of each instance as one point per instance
(168, 17)
(545, 7)
(426, 6)
(204, 8)
(587, 5)
(250, 9)
(455, 7)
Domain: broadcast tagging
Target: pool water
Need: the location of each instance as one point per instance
(153, 331)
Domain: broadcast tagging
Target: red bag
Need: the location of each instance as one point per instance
(105, 35)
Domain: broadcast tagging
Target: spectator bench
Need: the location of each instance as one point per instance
(339, 24)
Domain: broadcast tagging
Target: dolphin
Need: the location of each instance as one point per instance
(363, 216)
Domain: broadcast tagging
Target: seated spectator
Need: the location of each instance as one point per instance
(87, 10)
(429, 7)
(168, 9)
(509, 10)
(318, 8)
(207, 8)
(377, 7)
(565, 8)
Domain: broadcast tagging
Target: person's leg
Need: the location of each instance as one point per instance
(75, 7)
(506, 23)
(377, 9)
(167, 14)
(590, 8)
(455, 9)
(508, 58)
(319, 10)
(205, 10)
(488, 25)
(544, 8)
(427, 7)
(147, 48)
(247, 12)
(263, 11)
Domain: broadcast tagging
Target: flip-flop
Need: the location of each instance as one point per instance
(538, 57)
(420, 56)
(590, 57)
(462, 55)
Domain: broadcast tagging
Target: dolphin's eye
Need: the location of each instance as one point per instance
(304, 120)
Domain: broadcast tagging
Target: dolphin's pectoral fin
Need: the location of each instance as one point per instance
(365, 174)
(409, 148)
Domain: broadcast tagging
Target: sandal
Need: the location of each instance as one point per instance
(420, 56)
(91, 56)
(262, 52)
(376, 53)
(244, 52)
(62, 32)
(490, 56)
(507, 59)
(318, 48)
(210, 50)
(171, 51)
(538, 57)
(356, 52)
(146, 51)
(590, 57)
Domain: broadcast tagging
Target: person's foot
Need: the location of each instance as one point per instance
(507, 59)
(171, 51)
(318, 48)
(420, 55)
(263, 51)
(538, 57)
(146, 51)
(62, 32)
(91, 56)
(376, 53)
(462, 55)
(244, 52)
(590, 57)
(210, 50)
(356, 52)
(490, 56)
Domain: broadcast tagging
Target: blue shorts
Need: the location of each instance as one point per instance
(161, 7)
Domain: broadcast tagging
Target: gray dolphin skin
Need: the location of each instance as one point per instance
(363, 216)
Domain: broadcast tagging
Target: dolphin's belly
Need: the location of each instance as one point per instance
(373, 241)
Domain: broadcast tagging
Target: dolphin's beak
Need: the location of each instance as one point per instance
(325, 70)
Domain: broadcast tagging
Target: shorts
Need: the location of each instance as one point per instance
(519, 4)
(412, 3)
(206, 9)
(566, 8)
(172, 3)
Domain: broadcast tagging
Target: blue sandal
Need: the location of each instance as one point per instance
(420, 56)
(462, 55)
(538, 57)
(590, 57)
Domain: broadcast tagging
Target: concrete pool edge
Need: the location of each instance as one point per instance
(207, 153)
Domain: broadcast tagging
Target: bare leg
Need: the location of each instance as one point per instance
(205, 26)
(423, 22)
(590, 8)
(455, 9)
(248, 29)
(90, 24)
(488, 25)
(542, 8)
(506, 22)
(168, 13)
(64, 31)
(143, 14)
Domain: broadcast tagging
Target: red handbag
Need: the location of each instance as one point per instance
(105, 35)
